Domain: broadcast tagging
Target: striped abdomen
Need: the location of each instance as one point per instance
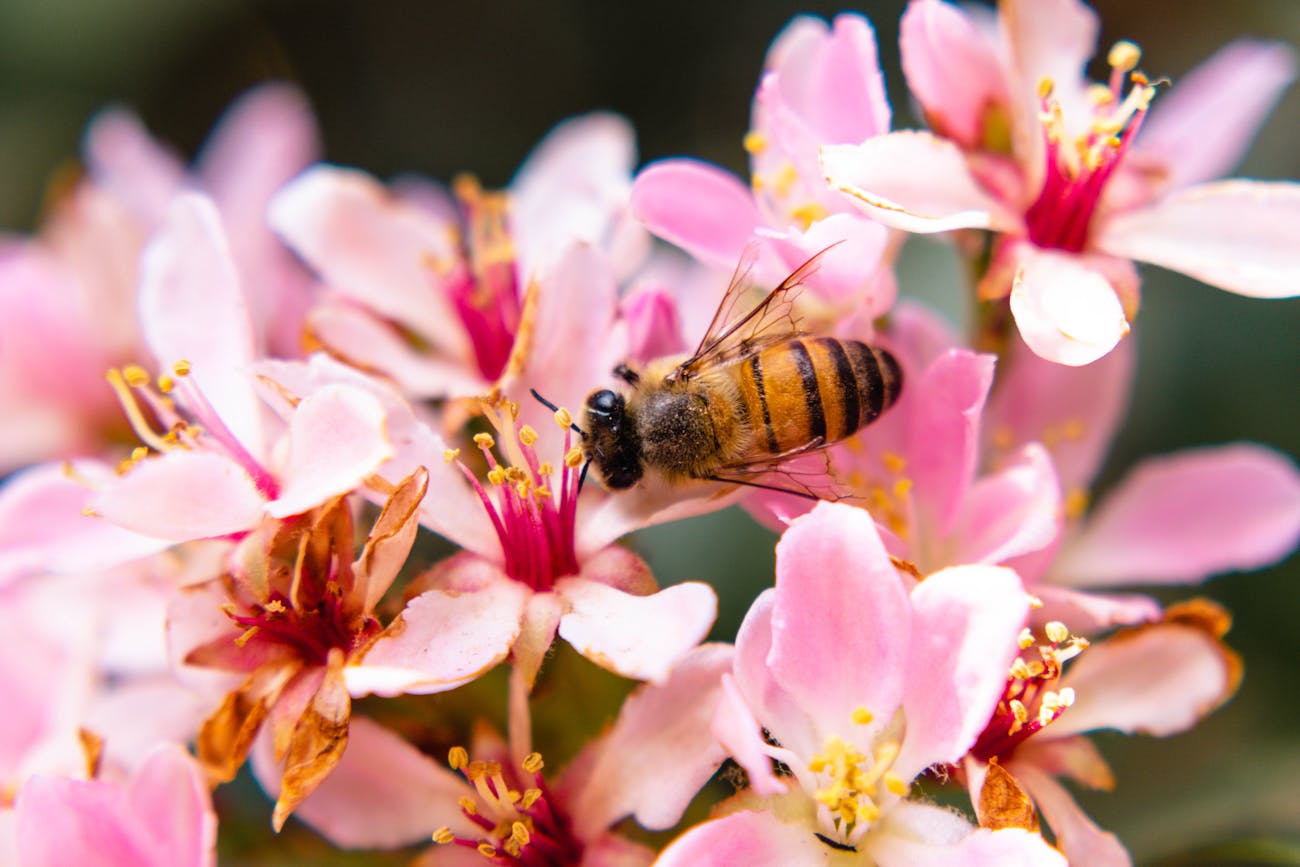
(815, 388)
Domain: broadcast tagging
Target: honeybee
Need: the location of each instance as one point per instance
(755, 393)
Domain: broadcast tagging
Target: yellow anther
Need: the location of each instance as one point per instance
(443, 836)
(484, 441)
(1026, 639)
(1018, 710)
(166, 384)
(808, 213)
(1067, 696)
(862, 716)
(530, 797)
(513, 795)
(785, 179)
(545, 469)
(1124, 55)
(450, 455)
(527, 435)
(87, 512)
(1004, 438)
(138, 454)
(135, 376)
(248, 633)
(487, 850)
(519, 833)
(895, 784)
(1020, 670)
(893, 462)
(1056, 631)
(1076, 503)
(181, 368)
(457, 757)
(902, 488)
(496, 476)
(573, 457)
(275, 606)
(521, 488)
(755, 142)
(1100, 94)
(1045, 87)
(512, 847)
(1035, 603)
(563, 418)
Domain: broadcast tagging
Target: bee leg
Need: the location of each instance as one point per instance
(627, 374)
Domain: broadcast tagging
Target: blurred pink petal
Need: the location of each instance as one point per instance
(659, 752)
(1180, 518)
(1091, 612)
(704, 210)
(838, 597)
(124, 158)
(403, 788)
(182, 495)
(1201, 129)
(162, 818)
(373, 247)
(440, 641)
(846, 273)
(1242, 236)
(749, 838)
(1078, 836)
(952, 69)
(336, 440)
(1158, 679)
(964, 623)
(1066, 311)
(635, 636)
(1011, 512)
(913, 181)
(653, 324)
(192, 308)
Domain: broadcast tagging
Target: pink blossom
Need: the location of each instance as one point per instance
(459, 273)
(649, 764)
(857, 679)
(67, 294)
(1025, 147)
(820, 84)
(1156, 679)
(161, 817)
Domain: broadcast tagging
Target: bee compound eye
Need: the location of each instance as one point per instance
(605, 402)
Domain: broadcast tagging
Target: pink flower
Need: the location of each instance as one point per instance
(1156, 679)
(439, 293)
(290, 614)
(820, 84)
(210, 471)
(161, 817)
(67, 295)
(856, 679)
(1072, 189)
(648, 764)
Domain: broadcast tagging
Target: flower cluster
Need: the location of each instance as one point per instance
(354, 470)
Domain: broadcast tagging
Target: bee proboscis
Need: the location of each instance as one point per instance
(754, 394)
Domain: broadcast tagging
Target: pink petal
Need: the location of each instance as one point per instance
(1039, 401)
(943, 424)
(700, 208)
(952, 69)
(1201, 129)
(965, 623)
(162, 818)
(138, 170)
(1066, 312)
(847, 272)
(1010, 513)
(913, 834)
(1074, 757)
(1242, 236)
(635, 636)
(1091, 612)
(838, 597)
(1180, 518)
(1078, 836)
(611, 850)
(660, 751)
(653, 324)
(373, 247)
(407, 794)
(192, 308)
(913, 181)
(44, 528)
(749, 838)
(832, 80)
(771, 705)
(336, 440)
(1158, 679)
(443, 640)
(742, 736)
(182, 495)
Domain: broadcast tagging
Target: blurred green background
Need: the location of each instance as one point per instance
(438, 88)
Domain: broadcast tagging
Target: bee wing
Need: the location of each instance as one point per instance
(805, 472)
(732, 336)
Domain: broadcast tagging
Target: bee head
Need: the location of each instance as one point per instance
(612, 442)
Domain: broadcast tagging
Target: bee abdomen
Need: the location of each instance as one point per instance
(821, 388)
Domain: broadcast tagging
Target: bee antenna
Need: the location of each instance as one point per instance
(553, 408)
(582, 477)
